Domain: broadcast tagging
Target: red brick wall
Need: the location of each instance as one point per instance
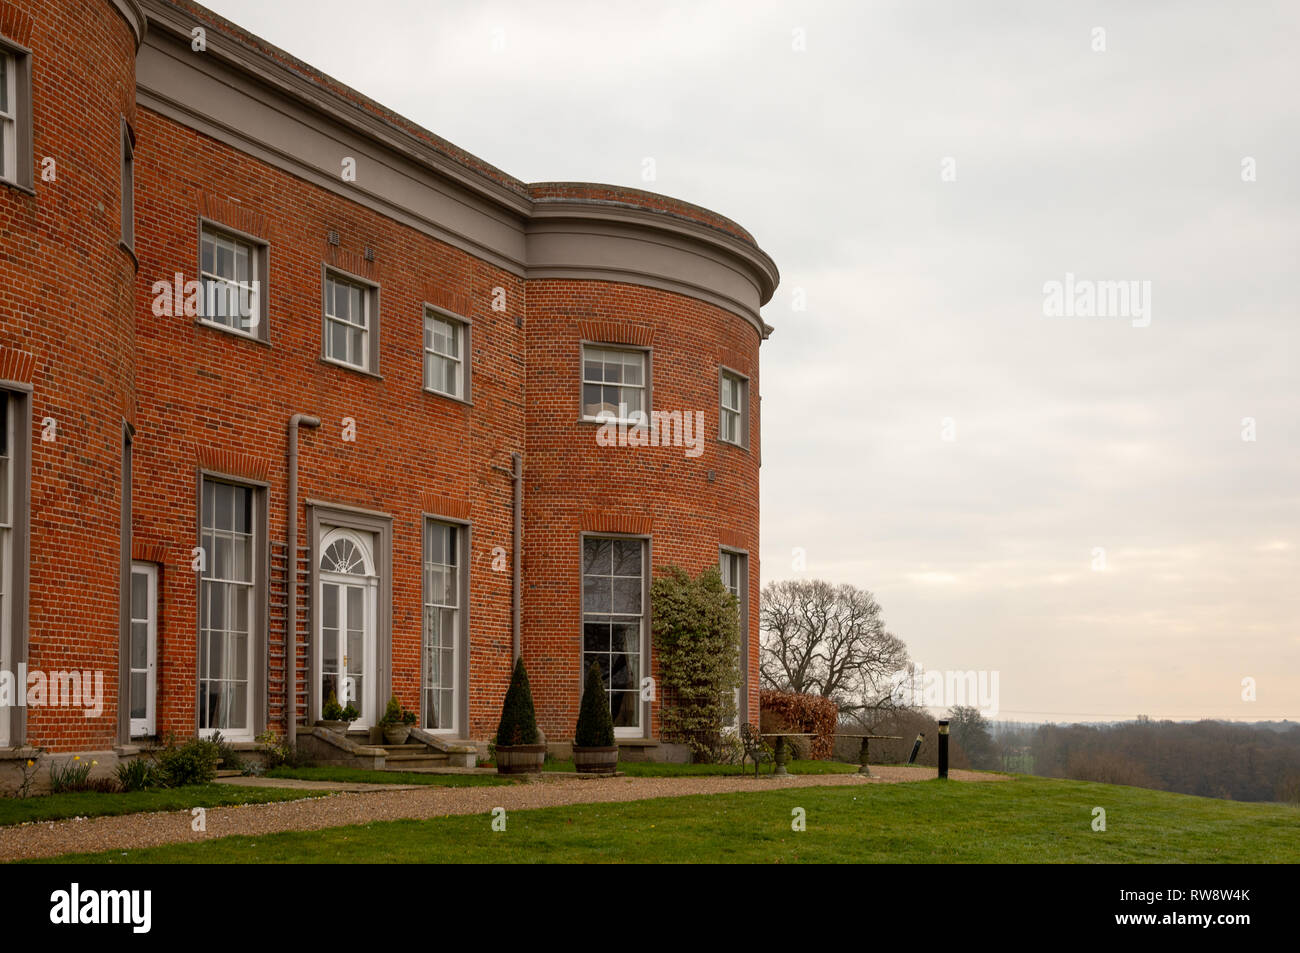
(65, 298)
(203, 389)
(686, 513)
(200, 397)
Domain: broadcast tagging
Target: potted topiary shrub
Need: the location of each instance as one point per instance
(594, 750)
(395, 725)
(517, 750)
(335, 717)
(331, 714)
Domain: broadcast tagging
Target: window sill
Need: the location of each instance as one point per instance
(733, 444)
(20, 753)
(231, 332)
(350, 367)
(18, 187)
(130, 252)
(629, 424)
(445, 396)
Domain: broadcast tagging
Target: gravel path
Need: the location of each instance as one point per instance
(50, 838)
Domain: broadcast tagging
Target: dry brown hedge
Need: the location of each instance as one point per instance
(785, 711)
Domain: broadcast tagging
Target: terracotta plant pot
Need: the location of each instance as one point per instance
(396, 734)
(603, 760)
(520, 759)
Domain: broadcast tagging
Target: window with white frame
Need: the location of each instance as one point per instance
(445, 354)
(349, 321)
(733, 426)
(442, 622)
(613, 621)
(8, 577)
(9, 116)
(128, 186)
(226, 609)
(143, 648)
(613, 383)
(230, 268)
(732, 568)
(15, 527)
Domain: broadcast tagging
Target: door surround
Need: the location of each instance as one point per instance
(320, 516)
(347, 586)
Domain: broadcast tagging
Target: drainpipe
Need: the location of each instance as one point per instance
(291, 622)
(516, 473)
(516, 584)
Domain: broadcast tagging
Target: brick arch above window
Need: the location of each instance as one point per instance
(440, 504)
(149, 552)
(15, 24)
(736, 361)
(352, 263)
(731, 539)
(233, 463)
(16, 365)
(603, 521)
(438, 296)
(234, 215)
(616, 332)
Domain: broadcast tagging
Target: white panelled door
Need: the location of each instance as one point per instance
(347, 622)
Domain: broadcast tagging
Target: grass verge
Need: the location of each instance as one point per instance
(1023, 820)
(57, 807)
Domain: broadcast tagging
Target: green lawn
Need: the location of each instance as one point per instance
(1024, 820)
(55, 807)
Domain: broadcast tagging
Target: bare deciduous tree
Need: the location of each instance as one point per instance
(822, 639)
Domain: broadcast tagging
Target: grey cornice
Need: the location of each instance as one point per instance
(764, 268)
(134, 17)
(594, 242)
(181, 113)
(429, 190)
(179, 24)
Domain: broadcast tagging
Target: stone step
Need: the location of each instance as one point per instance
(427, 758)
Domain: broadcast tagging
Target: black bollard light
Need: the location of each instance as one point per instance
(943, 749)
(916, 748)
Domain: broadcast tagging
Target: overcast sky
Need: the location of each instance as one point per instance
(924, 296)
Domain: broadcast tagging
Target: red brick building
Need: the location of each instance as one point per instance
(285, 376)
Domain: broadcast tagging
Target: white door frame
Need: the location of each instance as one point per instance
(368, 583)
(141, 727)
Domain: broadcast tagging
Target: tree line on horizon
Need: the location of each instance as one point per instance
(831, 640)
